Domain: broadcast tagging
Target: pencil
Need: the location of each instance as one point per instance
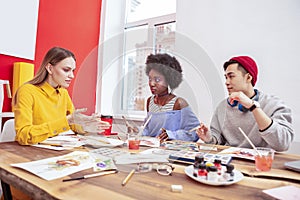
(105, 172)
(49, 144)
(125, 181)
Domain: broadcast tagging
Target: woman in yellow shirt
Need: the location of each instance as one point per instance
(43, 107)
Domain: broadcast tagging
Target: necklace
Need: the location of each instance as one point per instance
(162, 95)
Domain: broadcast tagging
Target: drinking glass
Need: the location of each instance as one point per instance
(264, 161)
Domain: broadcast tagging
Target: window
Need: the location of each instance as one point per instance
(149, 28)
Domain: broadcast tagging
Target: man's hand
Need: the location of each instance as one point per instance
(203, 133)
(241, 98)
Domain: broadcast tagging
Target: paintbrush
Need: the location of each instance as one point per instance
(102, 173)
(130, 128)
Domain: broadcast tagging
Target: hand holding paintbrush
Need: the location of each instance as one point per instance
(130, 128)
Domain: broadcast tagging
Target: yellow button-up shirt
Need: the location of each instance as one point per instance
(40, 112)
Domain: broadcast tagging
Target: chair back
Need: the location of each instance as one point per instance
(9, 133)
(4, 114)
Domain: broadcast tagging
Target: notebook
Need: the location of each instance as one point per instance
(293, 165)
(285, 192)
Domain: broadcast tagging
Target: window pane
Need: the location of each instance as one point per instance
(165, 37)
(135, 81)
(144, 9)
(151, 32)
(139, 45)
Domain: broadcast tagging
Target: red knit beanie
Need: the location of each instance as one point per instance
(249, 65)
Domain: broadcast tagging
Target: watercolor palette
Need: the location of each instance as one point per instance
(188, 157)
(111, 153)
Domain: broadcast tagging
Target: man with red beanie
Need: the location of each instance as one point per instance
(263, 117)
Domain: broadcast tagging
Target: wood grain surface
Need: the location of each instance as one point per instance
(142, 185)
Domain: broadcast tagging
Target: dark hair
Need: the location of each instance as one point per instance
(240, 67)
(168, 66)
(53, 56)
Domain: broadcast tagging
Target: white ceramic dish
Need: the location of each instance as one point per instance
(238, 176)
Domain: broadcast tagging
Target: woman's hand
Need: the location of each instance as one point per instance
(163, 136)
(203, 133)
(89, 123)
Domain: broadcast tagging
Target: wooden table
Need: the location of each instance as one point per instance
(141, 186)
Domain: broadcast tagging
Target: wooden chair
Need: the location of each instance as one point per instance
(4, 114)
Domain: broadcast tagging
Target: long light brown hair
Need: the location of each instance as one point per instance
(53, 56)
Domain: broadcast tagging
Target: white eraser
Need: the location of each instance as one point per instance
(176, 188)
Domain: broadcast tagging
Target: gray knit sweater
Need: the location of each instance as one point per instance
(227, 119)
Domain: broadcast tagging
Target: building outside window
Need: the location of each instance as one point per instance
(149, 28)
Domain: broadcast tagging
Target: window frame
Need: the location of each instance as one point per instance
(112, 27)
(151, 23)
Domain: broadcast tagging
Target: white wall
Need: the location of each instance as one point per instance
(110, 51)
(18, 25)
(209, 32)
(267, 30)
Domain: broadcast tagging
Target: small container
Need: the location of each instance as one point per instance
(218, 165)
(109, 119)
(196, 169)
(229, 174)
(199, 159)
(202, 173)
(264, 160)
(133, 141)
(212, 174)
(176, 188)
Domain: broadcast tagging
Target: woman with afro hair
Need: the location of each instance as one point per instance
(171, 116)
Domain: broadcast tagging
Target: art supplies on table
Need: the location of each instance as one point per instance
(97, 141)
(180, 145)
(158, 151)
(149, 141)
(101, 162)
(188, 157)
(63, 141)
(139, 158)
(220, 181)
(238, 152)
(128, 177)
(108, 152)
(102, 173)
(207, 148)
(60, 166)
(293, 165)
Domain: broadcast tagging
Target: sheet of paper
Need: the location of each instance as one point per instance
(102, 162)
(140, 158)
(239, 152)
(57, 167)
(286, 192)
(61, 142)
(149, 141)
(69, 132)
(97, 141)
(56, 148)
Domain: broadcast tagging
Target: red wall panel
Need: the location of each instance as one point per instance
(6, 73)
(71, 24)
